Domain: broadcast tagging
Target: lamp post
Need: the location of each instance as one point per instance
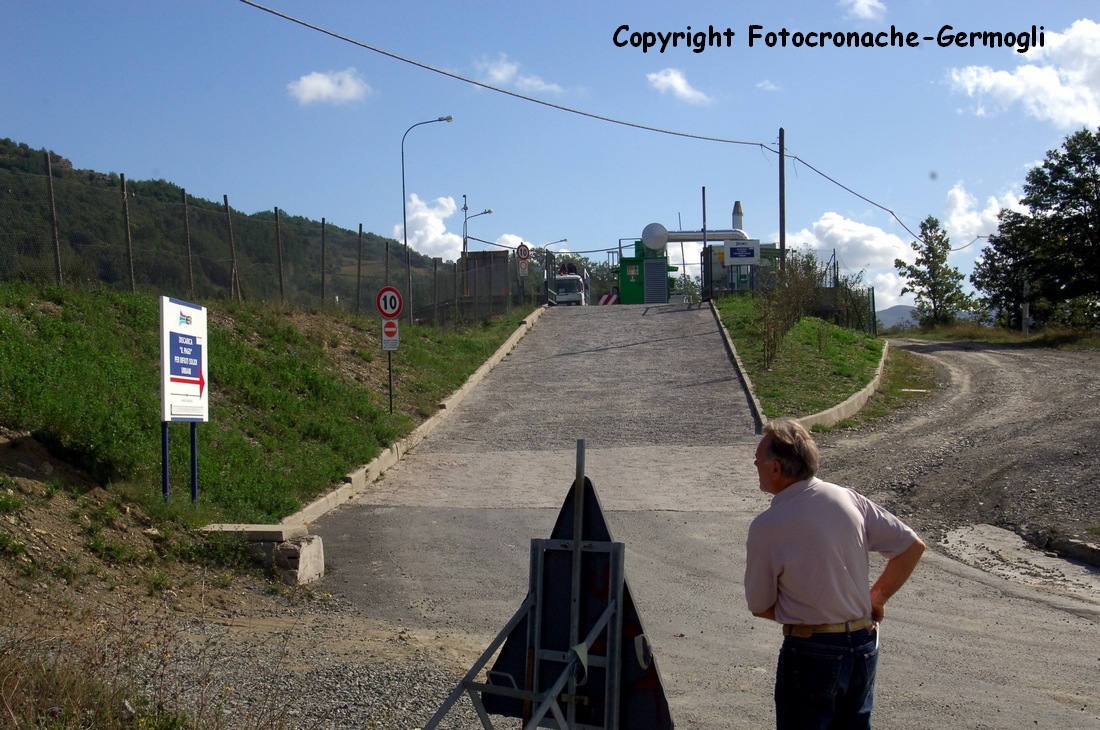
(546, 266)
(465, 237)
(405, 216)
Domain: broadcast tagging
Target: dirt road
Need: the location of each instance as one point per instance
(439, 546)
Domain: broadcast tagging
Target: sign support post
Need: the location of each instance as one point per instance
(183, 367)
(389, 305)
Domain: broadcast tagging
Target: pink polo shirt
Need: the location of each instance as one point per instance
(808, 553)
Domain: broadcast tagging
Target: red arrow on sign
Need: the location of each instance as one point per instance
(199, 381)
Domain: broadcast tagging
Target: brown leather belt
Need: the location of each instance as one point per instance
(805, 631)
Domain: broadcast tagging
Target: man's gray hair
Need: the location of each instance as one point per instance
(793, 447)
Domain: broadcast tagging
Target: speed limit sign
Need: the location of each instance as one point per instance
(523, 252)
(389, 302)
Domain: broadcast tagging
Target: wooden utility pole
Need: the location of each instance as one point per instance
(359, 272)
(234, 278)
(129, 238)
(279, 255)
(782, 203)
(53, 220)
(187, 242)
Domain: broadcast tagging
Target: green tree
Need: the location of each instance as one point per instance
(1055, 246)
(936, 284)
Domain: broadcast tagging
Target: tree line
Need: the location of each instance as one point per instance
(1041, 267)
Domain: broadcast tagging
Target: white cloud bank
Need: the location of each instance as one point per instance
(1059, 83)
(672, 81)
(330, 87)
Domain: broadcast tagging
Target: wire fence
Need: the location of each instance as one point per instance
(87, 229)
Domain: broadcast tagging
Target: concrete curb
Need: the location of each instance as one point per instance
(754, 404)
(852, 406)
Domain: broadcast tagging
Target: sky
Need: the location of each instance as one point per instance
(575, 120)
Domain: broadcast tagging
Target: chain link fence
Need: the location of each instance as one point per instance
(85, 229)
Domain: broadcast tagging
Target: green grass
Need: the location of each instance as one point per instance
(816, 367)
(1059, 338)
(81, 372)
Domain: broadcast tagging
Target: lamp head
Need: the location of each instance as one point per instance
(447, 118)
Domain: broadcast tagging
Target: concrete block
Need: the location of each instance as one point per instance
(301, 560)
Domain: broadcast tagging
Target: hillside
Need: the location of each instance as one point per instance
(180, 244)
(899, 315)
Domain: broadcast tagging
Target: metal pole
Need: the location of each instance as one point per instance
(405, 215)
(578, 536)
(194, 463)
(164, 460)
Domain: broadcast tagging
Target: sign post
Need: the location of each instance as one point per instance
(183, 368)
(389, 304)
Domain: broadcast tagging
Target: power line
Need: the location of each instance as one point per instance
(490, 87)
(570, 110)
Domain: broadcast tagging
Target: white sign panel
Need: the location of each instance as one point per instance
(183, 359)
(740, 253)
(391, 335)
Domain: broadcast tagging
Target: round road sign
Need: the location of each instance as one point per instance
(523, 252)
(389, 302)
(389, 328)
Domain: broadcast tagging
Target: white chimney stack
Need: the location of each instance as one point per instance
(738, 216)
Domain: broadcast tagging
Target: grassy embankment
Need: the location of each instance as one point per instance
(296, 401)
(819, 366)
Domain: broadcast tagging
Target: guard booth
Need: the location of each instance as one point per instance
(730, 266)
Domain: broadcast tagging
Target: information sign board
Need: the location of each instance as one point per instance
(183, 361)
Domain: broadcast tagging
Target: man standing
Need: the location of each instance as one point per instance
(808, 568)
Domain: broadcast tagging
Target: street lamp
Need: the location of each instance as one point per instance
(546, 266)
(405, 216)
(465, 236)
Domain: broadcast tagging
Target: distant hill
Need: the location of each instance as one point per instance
(899, 314)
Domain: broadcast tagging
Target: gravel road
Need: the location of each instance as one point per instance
(438, 548)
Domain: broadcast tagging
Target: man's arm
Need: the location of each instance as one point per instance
(897, 571)
(768, 614)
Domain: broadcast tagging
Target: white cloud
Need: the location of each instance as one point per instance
(767, 85)
(964, 221)
(864, 9)
(427, 231)
(331, 87)
(1065, 90)
(672, 81)
(860, 248)
(504, 72)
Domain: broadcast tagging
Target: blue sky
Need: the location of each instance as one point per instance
(224, 98)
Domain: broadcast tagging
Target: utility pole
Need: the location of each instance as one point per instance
(782, 204)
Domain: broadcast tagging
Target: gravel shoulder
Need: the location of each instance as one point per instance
(999, 466)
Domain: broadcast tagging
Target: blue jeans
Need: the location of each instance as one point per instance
(826, 682)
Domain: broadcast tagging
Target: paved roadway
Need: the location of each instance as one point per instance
(440, 545)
